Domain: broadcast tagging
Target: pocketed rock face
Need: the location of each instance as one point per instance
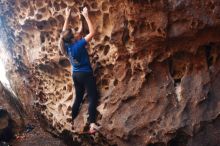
(11, 114)
(156, 64)
(6, 132)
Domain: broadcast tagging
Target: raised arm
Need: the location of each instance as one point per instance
(80, 24)
(89, 36)
(67, 12)
(61, 42)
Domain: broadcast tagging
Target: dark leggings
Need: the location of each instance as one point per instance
(85, 81)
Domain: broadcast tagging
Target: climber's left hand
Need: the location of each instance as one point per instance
(68, 12)
(85, 12)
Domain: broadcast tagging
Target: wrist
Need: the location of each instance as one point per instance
(86, 17)
(67, 17)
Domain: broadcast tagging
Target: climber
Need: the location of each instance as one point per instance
(73, 45)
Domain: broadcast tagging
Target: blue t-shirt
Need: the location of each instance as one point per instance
(79, 57)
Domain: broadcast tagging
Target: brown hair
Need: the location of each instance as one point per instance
(66, 37)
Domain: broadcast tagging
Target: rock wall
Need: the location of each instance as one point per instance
(156, 65)
(11, 114)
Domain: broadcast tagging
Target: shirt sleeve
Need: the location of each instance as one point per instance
(82, 43)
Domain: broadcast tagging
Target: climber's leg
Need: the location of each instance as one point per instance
(91, 89)
(79, 92)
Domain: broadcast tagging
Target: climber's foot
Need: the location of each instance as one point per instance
(93, 128)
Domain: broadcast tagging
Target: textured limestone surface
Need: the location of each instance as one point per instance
(156, 62)
(11, 114)
(6, 131)
(9, 102)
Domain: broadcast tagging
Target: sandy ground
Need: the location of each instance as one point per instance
(36, 137)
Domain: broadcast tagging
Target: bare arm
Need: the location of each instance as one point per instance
(80, 25)
(68, 12)
(61, 42)
(89, 36)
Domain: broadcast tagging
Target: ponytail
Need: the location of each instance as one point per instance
(66, 37)
(62, 47)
